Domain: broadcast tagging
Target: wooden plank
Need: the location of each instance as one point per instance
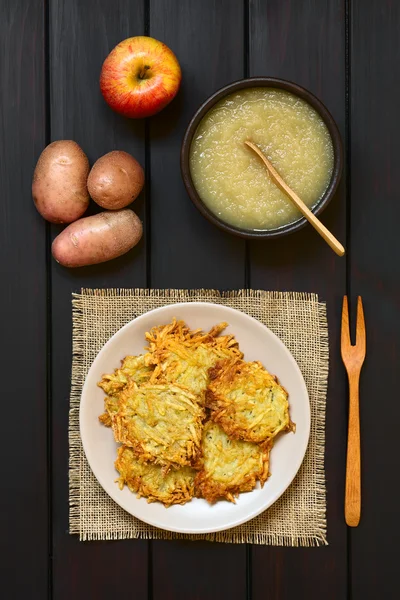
(24, 522)
(81, 36)
(186, 251)
(375, 275)
(305, 42)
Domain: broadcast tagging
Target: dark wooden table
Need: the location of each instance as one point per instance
(348, 54)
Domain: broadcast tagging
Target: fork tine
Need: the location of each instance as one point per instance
(345, 325)
(360, 327)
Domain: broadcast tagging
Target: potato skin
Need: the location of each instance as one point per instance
(98, 238)
(59, 186)
(116, 179)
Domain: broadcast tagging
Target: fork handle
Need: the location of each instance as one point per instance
(352, 508)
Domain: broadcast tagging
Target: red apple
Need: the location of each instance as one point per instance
(139, 77)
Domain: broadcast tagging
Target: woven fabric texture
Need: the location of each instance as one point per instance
(298, 518)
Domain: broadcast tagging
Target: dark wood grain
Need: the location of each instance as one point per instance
(81, 36)
(305, 42)
(302, 41)
(186, 250)
(24, 519)
(375, 275)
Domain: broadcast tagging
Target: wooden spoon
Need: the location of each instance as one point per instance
(306, 212)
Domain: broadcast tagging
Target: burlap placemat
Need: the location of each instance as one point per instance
(299, 320)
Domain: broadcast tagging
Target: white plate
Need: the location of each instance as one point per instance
(258, 343)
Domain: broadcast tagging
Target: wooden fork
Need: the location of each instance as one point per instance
(353, 358)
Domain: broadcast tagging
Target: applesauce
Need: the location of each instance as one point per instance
(232, 181)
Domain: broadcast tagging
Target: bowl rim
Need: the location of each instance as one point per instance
(251, 82)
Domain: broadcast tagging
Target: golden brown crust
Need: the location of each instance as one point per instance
(247, 401)
(148, 480)
(105, 419)
(229, 467)
(162, 423)
(184, 357)
(161, 337)
(133, 368)
(156, 405)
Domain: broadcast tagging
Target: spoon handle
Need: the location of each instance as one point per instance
(306, 212)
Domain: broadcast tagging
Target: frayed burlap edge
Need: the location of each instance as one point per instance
(237, 534)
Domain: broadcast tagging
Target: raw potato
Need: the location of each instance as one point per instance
(97, 239)
(116, 179)
(59, 186)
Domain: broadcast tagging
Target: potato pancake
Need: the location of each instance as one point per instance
(133, 368)
(146, 479)
(184, 357)
(157, 402)
(162, 423)
(229, 467)
(247, 401)
(160, 337)
(110, 408)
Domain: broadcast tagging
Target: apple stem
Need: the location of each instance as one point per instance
(143, 72)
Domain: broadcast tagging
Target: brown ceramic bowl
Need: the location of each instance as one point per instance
(271, 83)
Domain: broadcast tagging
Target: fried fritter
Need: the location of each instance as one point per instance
(110, 408)
(146, 479)
(229, 467)
(160, 337)
(247, 401)
(133, 368)
(156, 404)
(184, 357)
(162, 423)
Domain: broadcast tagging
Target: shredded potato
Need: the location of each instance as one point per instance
(193, 418)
